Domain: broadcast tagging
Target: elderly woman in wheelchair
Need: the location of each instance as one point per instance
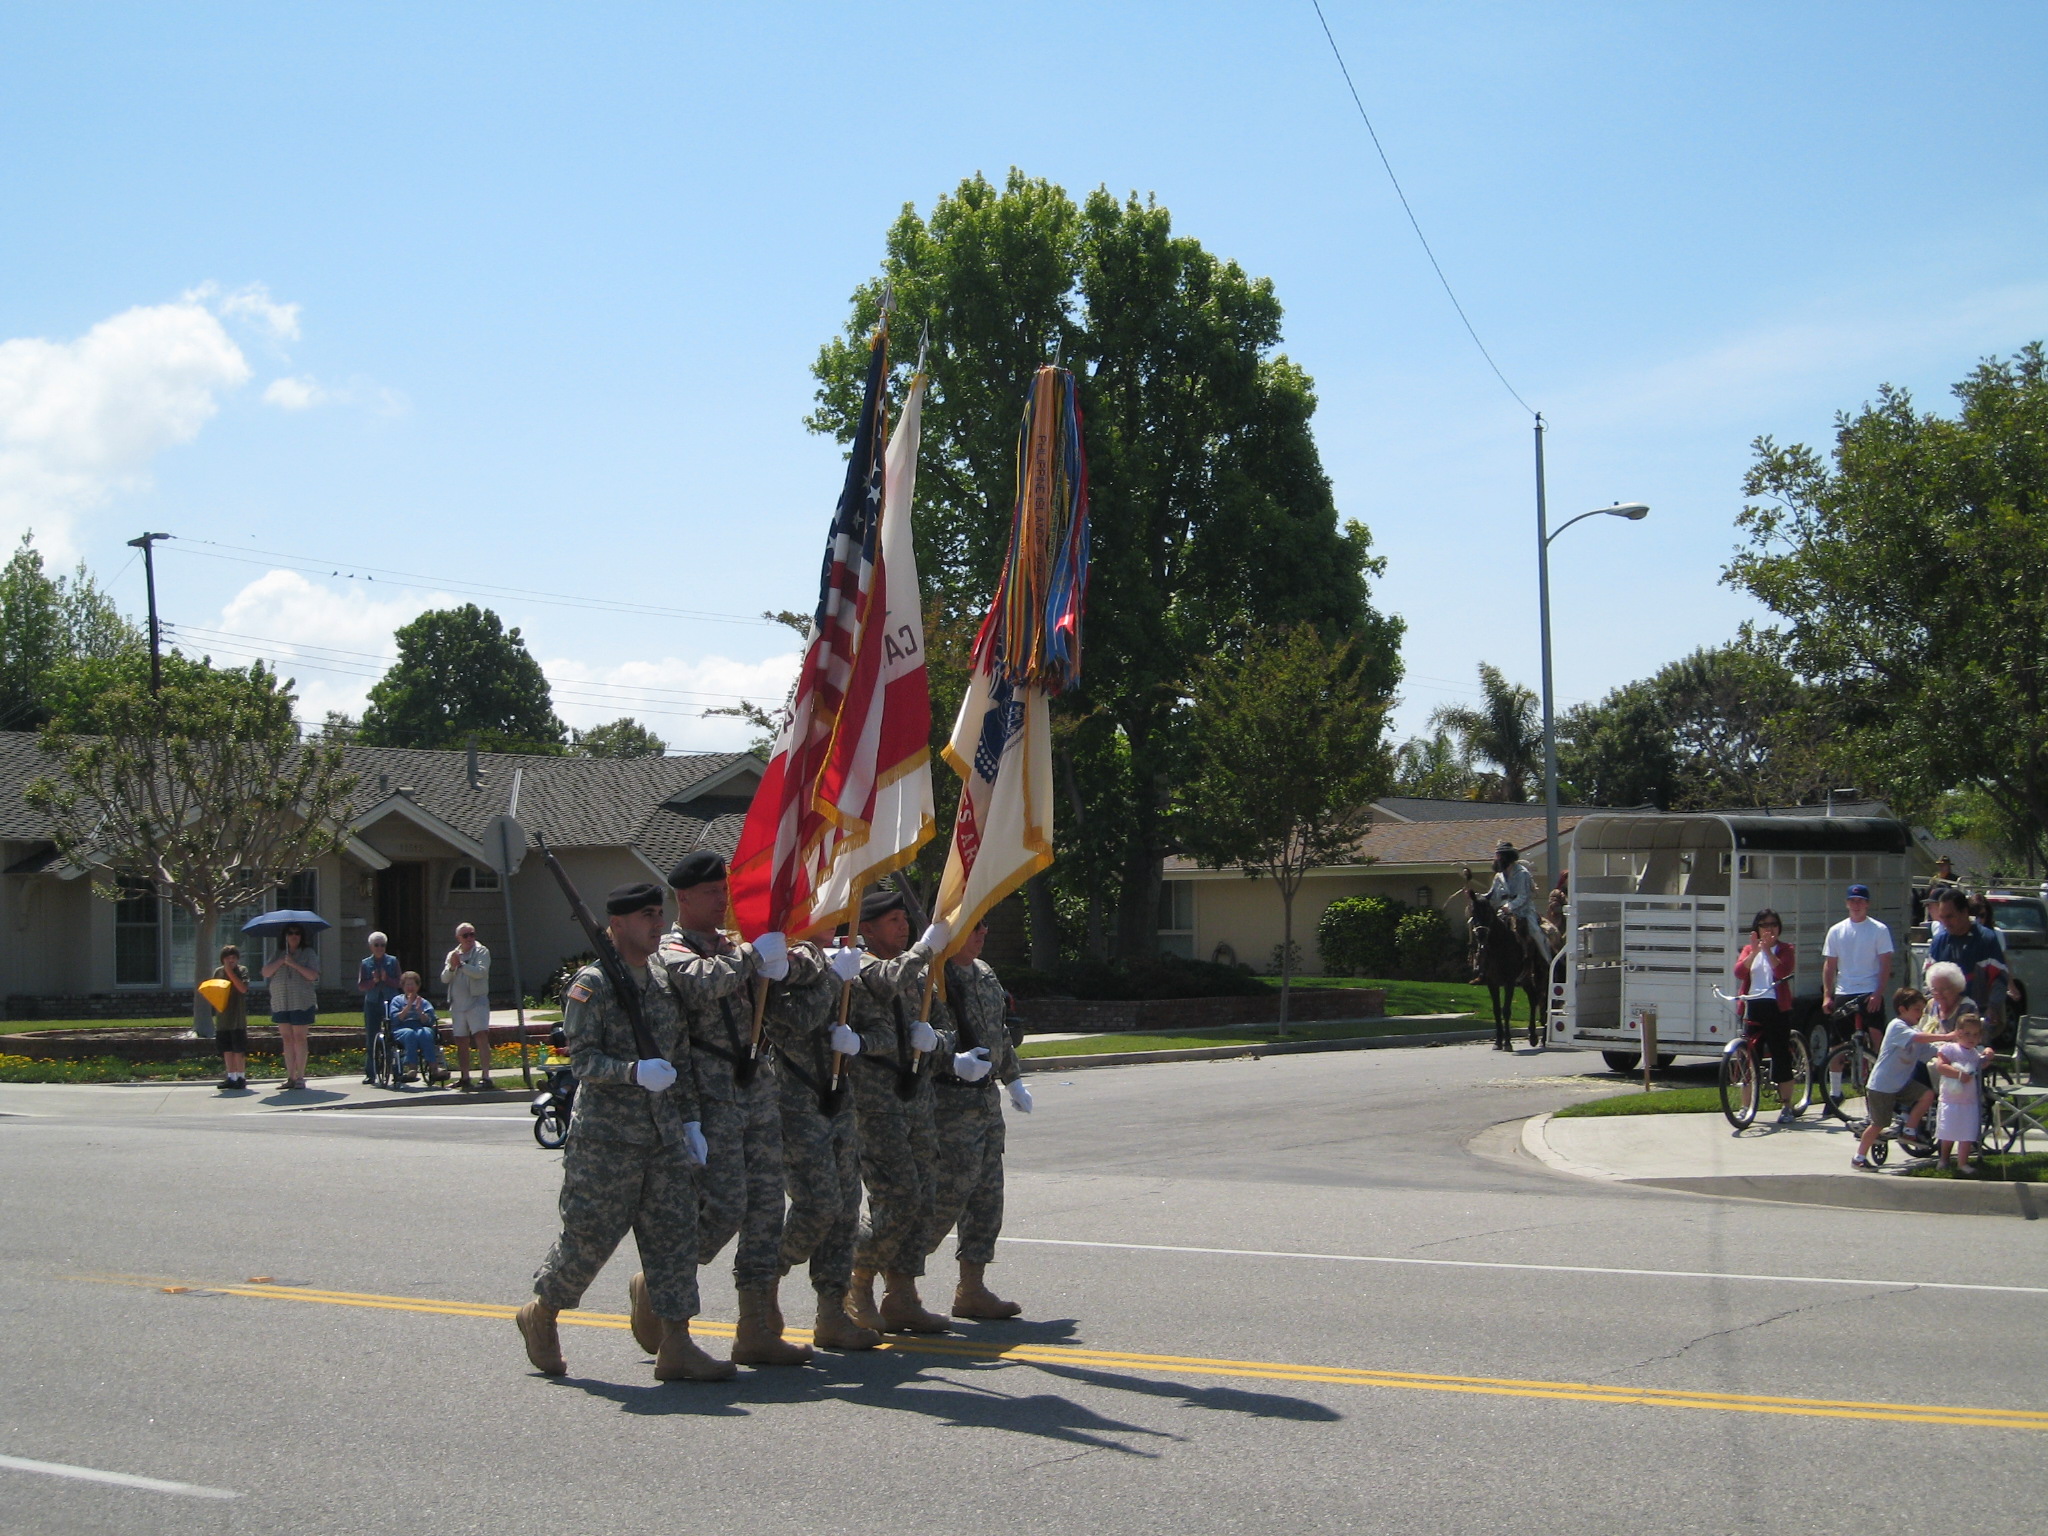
(412, 1025)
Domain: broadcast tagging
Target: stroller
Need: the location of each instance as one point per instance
(557, 1097)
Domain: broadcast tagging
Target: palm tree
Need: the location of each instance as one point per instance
(1503, 731)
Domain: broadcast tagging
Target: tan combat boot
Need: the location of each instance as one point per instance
(647, 1324)
(835, 1330)
(903, 1311)
(860, 1301)
(759, 1339)
(536, 1322)
(971, 1298)
(681, 1360)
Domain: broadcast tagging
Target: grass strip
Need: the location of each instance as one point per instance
(1666, 1101)
(1405, 997)
(1097, 1045)
(1993, 1168)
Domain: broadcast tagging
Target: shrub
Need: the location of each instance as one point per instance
(1426, 948)
(1356, 935)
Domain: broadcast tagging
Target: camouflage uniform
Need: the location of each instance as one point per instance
(820, 1150)
(969, 1118)
(893, 1108)
(741, 1184)
(626, 1167)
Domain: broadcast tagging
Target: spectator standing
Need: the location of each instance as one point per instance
(1974, 948)
(467, 975)
(1763, 976)
(231, 1029)
(412, 1026)
(1856, 960)
(1960, 1116)
(294, 977)
(377, 980)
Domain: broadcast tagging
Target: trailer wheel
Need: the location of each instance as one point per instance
(1621, 1061)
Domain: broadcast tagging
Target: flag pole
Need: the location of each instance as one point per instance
(846, 987)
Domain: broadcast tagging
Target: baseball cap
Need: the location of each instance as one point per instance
(1860, 890)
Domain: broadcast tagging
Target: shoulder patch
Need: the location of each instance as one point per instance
(579, 991)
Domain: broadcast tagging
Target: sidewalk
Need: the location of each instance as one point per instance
(1806, 1163)
(101, 1100)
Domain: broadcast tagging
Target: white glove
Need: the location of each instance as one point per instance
(845, 964)
(935, 936)
(771, 970)
(1021, 1097)
(845, 1041)
(772, 949)
(972, 1066)
(923, 1037)
(653, 1074)
(693, 1143)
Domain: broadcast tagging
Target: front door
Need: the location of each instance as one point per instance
(402, 914)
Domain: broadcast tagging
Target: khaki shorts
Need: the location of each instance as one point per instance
(1882, 1107)
(469, 1019)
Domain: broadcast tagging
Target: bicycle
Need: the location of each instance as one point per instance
(1742, 1077)
(1848, 1060)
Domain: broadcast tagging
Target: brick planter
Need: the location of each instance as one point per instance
(171, 1044)
(1311, 1005)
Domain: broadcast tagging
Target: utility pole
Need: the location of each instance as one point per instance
(147, 544)
(1550, 870)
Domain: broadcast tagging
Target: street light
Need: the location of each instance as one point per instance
(1635, 512)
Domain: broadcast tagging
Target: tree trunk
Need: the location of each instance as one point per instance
(1045, 928)
(204, 921)
(1286, 951)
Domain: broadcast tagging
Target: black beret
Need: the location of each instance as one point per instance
(631, 898)
(880, 903)
(699, 868)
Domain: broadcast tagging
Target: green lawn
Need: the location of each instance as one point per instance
(1995, 1167)
(1092, 1045)
(1404, 997)
(1668, 1101)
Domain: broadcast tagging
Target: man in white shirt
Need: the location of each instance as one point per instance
(467, 975)
(1856, 961)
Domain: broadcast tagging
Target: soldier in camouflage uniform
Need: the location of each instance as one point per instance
(968, 1117)
(892, 1095)
(820, 1147)
(742, 1183)
(635, 1144)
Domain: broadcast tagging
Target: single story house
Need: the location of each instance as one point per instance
(410, 865)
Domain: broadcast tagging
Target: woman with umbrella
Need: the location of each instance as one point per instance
(294, 976)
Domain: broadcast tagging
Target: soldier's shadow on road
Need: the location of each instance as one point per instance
(993, 1396)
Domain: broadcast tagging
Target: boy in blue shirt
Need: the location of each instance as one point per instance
(1904, 1050)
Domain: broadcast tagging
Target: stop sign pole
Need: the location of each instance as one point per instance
(505, 845)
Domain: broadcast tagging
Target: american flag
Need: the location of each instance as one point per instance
(813, 795)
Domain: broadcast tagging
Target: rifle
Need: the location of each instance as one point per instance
(608, 958)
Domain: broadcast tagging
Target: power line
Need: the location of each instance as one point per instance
(1414, 223)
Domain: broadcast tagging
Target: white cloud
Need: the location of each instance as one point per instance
(252, 303)
(669, 696)
(82, 420)
(295, 394)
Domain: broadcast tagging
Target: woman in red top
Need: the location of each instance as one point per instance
(1763, 979)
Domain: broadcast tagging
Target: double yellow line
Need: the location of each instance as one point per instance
(1074, 1357)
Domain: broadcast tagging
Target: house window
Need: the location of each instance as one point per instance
(301, 893)
(1177, 918)
(136, 962)
(470, 878)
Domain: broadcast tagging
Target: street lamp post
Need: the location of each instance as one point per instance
(147, 544)
(1634, 511)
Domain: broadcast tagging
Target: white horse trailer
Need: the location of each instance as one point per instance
(1661, 906)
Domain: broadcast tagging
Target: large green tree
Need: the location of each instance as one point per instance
(1910, 570)
(461, 676)
(1212, 517)
(1287, 759)
(47, 623)
(623, 737)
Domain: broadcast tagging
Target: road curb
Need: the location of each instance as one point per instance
(1239, 1052)
(1847, 1191)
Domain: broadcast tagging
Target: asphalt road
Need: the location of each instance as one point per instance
(1312, 1293)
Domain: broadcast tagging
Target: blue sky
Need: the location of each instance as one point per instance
(524, 298)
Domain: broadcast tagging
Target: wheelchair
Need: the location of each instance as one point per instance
(387, 1060)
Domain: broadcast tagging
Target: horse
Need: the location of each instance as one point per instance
(1503, 959)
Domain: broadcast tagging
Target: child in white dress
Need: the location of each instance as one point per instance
(1959, 1116)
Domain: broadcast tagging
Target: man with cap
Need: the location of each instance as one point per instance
(968, 1114)
(635, 1143)
(892, 1096)
(1514, 890)
(736, 1089)
(1856, 962)
(820, 1145)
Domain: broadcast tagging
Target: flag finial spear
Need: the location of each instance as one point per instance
(924, 342)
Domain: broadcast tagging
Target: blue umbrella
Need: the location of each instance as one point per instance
(269, 925)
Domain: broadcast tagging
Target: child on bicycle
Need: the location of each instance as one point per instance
(1900, 1072)
(1959, 1117)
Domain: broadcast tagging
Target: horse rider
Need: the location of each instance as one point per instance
(1514, 890)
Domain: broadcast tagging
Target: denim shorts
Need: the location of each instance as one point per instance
(293, 1016)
